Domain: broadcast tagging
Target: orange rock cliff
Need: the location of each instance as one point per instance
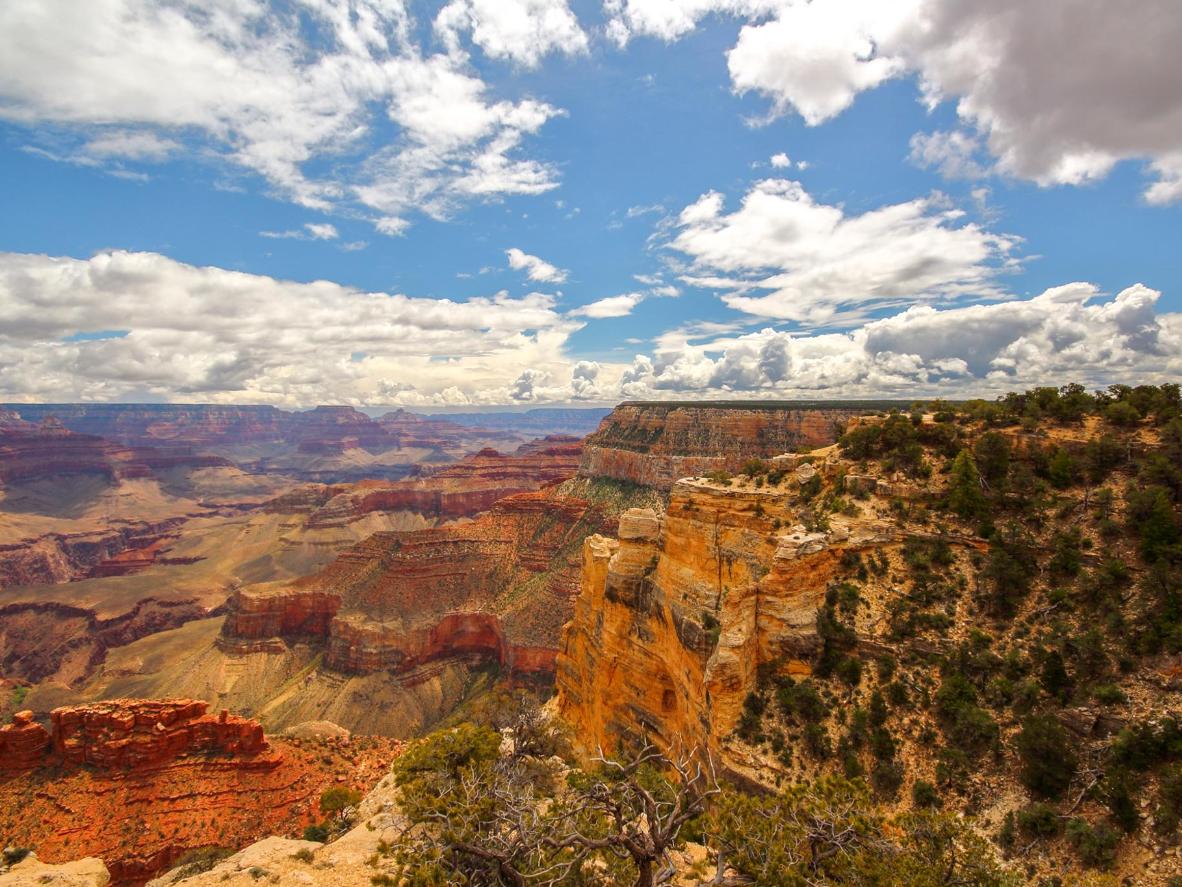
(676, 615)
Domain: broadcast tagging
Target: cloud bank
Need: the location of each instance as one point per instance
(142, 326)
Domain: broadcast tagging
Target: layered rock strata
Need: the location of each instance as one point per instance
(460, 490)
(138, 783)
(654, 444)
(676, 615)
(495, 589)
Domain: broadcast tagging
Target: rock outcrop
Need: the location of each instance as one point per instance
(130, 734)
(23, 743)
(137, 783)
(655, 444)
(676, 616)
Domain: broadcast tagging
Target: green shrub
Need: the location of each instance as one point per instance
(1039, 820)
(1047, 759)
(924, 795)
(335, 799)
(1095, 845)
(318, 832)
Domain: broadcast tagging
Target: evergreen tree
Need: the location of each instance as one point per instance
(964, 489)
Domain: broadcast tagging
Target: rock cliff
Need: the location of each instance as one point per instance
(460, 490)
(50, 449)
(654, 444)
(676, 616)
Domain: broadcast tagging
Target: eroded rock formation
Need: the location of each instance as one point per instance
(496, 589)
(675, 617)
(138, 783)
(655, 444)
(460, 490)
(50, 449)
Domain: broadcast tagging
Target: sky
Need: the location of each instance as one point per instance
(477, 203)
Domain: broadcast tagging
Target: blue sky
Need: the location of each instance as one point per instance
(134, 188)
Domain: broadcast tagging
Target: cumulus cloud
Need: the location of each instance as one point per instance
(276, 94)
(583, 378)
(1066, 333)
(534, 267)
(1059, 91)
(781, 160)
(209, 334)
(814, 58)
(784, 255)
(610, 306)
(522, 31)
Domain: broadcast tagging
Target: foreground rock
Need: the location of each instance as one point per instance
(138, 783)
(32, 872)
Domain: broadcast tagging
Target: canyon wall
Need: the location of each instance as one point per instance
(322, 430)
(494, 589)
(655, 444)
(49, 640)
(50, 449)
(676, 616)
(463, 489)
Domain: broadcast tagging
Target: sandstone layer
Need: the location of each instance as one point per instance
(655, 444)
(676, 616)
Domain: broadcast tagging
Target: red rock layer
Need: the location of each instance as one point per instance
(23, 743)
(133, 734)
(497, 588)
(654, 444)
(163, 778)
(461, 490)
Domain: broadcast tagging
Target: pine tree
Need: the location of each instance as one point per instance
(964, 490)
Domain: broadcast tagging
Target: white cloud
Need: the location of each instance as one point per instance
(814, 58)
(534, 268)
(202, 334)
(812, 261)
(310, 231)
(130, 145)
(1064, 334)
(670, 19)
(1059, 91)
(583, 378)
(522, 31)
(951, 153)
(272, 93)
(781, 160)
(611, 306)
